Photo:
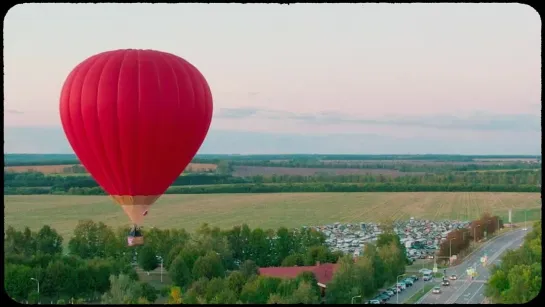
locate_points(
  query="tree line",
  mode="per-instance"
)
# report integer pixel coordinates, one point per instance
(517, 279)
(208, 266)
(58, 159)
(459, 240)
(29, 183)
(436, 167)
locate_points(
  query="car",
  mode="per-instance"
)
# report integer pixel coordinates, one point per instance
(414, 277)
(426, 277)
(395, 289)
(374, 302)
(445, 282)
(408, 282)
(389, 292)
(384, 293)
(430, 256)
(436, 290)
(453, 277)
(401, 285)
(383, 298)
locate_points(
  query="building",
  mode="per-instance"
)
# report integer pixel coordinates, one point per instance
(322, 272)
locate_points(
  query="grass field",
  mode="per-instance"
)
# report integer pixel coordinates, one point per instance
(267, 210)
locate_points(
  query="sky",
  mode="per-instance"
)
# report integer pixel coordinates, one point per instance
(303, 78)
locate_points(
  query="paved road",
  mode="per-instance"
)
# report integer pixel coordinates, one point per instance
(466, 291)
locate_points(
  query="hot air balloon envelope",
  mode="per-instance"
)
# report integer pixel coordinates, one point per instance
(135, 119)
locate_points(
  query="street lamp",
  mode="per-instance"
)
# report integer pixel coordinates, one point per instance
(475, 233)
(357, 296)
(38, 282)
(397, 292)
(450, 249)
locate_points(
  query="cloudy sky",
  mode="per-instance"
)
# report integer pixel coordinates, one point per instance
(304, 78)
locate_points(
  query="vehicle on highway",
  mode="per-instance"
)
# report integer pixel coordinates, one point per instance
(445, 282)
(414, 277)
(401, 285)
(427, 277)
(453, 277)
(408, 282)
(436, 290)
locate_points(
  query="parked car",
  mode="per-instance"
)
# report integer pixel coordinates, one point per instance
(436, 290)
(383, 298)
(445, 282)
(430, 256)
(395, 289)
(401, 285)
(425, 271)
(374, 302)
(389, 292)
(408, 282)
(453, 277)
(414, 277)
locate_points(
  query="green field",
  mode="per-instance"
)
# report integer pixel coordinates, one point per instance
(267, 210)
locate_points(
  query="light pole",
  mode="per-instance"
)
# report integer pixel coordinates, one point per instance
(357, 296)
(38, 282)
(525, 220)
(397, 292)
(475, 233)
(450, 249)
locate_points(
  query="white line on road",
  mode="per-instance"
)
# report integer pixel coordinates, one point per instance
(469, 301)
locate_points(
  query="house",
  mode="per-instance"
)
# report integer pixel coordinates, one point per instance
(322, 272)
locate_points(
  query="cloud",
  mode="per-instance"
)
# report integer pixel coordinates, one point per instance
(11, 111)
(477, 121)
(234, 113)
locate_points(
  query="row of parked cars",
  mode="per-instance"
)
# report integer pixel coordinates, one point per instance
(386, 294)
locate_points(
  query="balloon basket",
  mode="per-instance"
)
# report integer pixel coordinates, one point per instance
(135, 241)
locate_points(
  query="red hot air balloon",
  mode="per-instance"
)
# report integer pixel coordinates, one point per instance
(135, 119)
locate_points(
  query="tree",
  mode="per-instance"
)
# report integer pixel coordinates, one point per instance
(123, 290)
(48, 241)
(209, 266)
(175, 296)
(249, 268)
(147, 260)
(343, 285)
(293, 260)
(235, 282)
(148, 292)
(179, 272)
(304, 294)
(214, 288)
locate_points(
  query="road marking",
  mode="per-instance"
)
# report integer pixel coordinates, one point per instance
(469, 301)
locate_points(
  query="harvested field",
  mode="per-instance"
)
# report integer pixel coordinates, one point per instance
(419, 162)
(244, 171)
(267, 210)
(58, 169)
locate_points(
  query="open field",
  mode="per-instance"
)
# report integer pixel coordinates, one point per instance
(430, 162)
(243, 171)
(267, 210)
(59, 169)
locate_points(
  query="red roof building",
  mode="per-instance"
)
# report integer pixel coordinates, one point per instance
(322, 272)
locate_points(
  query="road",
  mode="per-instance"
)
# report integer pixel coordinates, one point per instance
(466, 291)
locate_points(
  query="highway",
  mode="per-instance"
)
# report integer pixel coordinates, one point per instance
(467, 291)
